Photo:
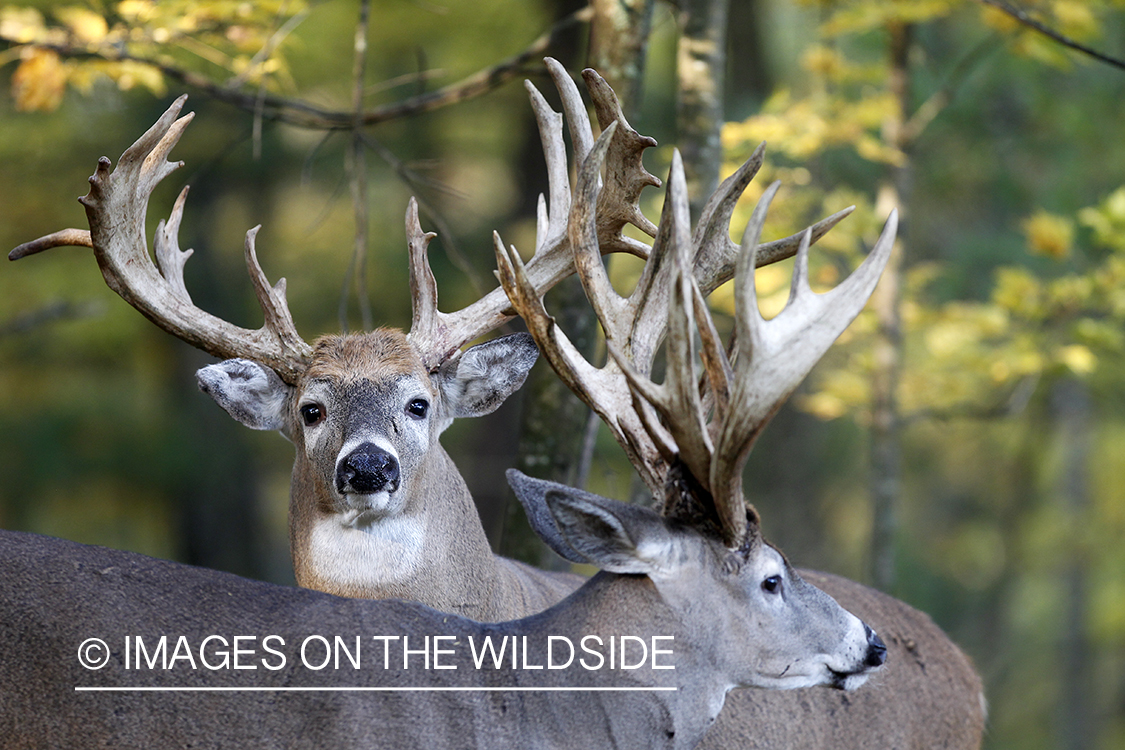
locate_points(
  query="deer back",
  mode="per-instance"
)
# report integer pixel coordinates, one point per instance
(75, 676)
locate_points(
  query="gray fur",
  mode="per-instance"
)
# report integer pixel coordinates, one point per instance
(54, 595)
(619, 538)
(482, 377)
(532, 493)
(250, 392)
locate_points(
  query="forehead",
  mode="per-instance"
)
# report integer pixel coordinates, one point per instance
(382, 355)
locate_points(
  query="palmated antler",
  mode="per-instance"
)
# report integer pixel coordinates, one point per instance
(436, 335)
(713, 440)
(710, 432)
(116, 207)
(636, 324)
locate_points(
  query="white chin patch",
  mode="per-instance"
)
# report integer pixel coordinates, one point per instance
(854, 681)
(790, 681)
(366, 509)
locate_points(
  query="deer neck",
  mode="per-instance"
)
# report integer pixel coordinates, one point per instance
(434, 551)
(609, 607)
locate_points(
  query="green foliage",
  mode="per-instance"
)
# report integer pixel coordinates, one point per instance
(1011, 292)
(1013, 287)
(127, 42)
(105, 430)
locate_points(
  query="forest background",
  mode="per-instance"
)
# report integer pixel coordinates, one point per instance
(963, 445)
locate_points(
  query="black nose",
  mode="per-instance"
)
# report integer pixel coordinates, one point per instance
(367, 469)
(876, 649)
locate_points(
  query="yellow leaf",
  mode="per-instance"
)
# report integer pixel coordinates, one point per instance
(823, 406)
(822, 61)
(39, 82)
(21, 25)
(128, 74)
(86, 25)
(998, 19)
(1079, 359)
(1049, 234)
(1019, 291)
(1075, 18)
(136, 11)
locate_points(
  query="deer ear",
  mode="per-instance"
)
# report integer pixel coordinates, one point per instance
(250, 392)
(532, 494)
(587, 528)
(477, 382)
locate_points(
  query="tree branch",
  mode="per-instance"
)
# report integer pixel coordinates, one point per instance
(303, 115)
(1050, 33)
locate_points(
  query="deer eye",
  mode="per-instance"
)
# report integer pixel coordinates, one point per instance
(418, 408)
(772, 585)
(312, 414)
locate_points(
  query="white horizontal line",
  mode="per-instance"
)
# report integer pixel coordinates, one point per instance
(80, 689)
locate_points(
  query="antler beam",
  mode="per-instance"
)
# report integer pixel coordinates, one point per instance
(436, 334)
(116, 207)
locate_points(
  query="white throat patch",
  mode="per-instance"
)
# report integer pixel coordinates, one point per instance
(387, 551)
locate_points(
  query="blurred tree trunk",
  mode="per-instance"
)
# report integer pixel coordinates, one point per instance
(886, 461)
(700, 68)
(618, 43)
(1071, 414)
(220, 519)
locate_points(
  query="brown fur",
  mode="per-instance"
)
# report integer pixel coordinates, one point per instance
(376, 355)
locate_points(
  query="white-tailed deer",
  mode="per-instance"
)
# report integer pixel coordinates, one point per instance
(377, 508)
(100, 648)
(357, 529)
(690, 437)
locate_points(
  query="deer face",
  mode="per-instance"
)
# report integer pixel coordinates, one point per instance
(762, 624)
(794, 635)
(364, 416)
(366, 412)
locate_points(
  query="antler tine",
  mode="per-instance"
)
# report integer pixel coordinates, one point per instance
(438, 335)
(677, 426)
(166, 246)
(714, 259)
(716, 255)
(776, 355)
(554, 152)
(610, 308)
(602, 389)
(116, 207)
(683, 428)
(625, 176)
(581, 134)
(682, 407)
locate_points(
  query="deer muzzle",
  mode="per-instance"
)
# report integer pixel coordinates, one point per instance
(876, 649)
(366, 470)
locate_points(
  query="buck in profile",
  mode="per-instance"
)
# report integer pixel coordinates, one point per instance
(377, 508)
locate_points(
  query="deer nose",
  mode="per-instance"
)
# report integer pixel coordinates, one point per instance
(876, 649)
(367, 469)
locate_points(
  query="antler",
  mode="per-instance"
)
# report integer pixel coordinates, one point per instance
(772, 358)
(636, 325)
(710, 432)
(116, 207)
(436, 335)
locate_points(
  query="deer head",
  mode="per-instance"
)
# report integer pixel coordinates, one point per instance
(364, 411)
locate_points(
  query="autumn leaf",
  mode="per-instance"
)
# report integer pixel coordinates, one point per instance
(86, 25)
(39, 82)
(1049, 234)
(21, 25)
